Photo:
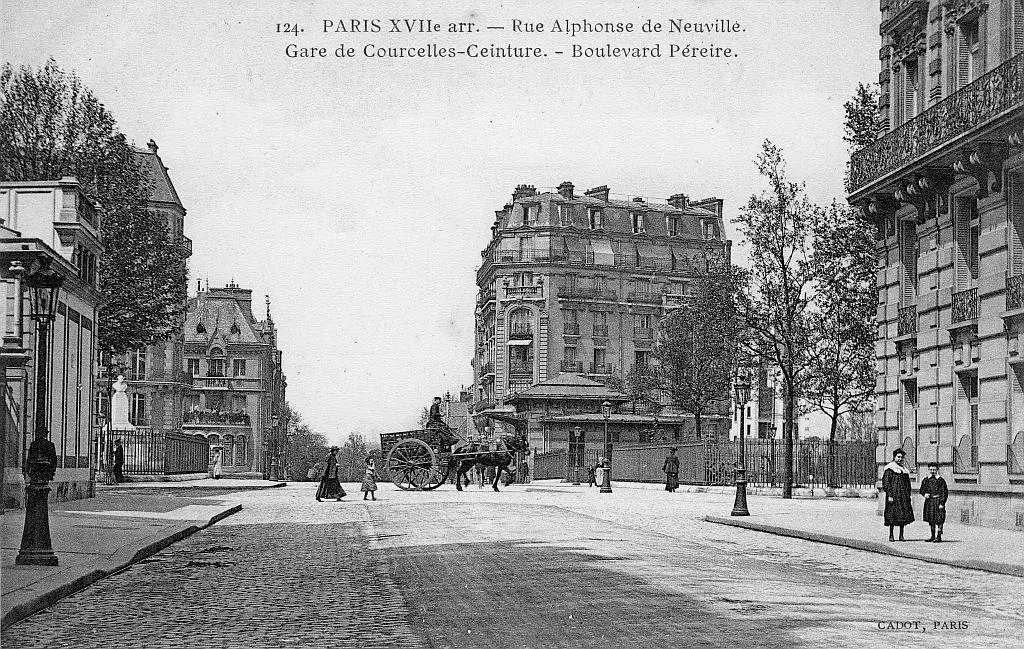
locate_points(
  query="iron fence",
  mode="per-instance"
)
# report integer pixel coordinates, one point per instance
(148, 452)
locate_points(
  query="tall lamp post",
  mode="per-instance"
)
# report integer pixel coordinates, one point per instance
(36, 547)
(741, 384)
(275, 448)
(606, 483)
(575, 457)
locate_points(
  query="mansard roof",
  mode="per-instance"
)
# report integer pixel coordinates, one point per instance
(222, 318)
(569, 385)
(161, 188)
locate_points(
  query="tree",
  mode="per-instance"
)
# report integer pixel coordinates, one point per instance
(857, 426)
(697, 348)
(306, 447)
(52, 126)
(778, 224)
(424, 417)
(862, 124)
(841, 374)
(641, 382)
(352, 458)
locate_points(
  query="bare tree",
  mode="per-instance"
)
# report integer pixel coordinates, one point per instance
(779, 224)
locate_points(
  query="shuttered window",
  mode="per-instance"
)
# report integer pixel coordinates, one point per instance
(1015, 220)
(912, 85)
(1018, 27)
(965, 244)
(970, 53)
(908, 261)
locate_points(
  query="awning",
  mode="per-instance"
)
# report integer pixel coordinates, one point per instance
(645, 254)
(542, 247)
(603, 254)
(520, 342)
(680, 261)
(574, 244)
(662, 257)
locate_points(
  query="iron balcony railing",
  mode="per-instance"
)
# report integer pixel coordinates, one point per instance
(186, 246)
(572, 366)
(487, 368)
(988, 97)
(646, 297)
(643, 333)
(600, 331)
(965, 305)
(485, 404)
(1014, 292)
(485, 297)
(571, 328)
(520, 369)
(521, 332)
(907, 321)
(587, 293)
(523, 291)
(216, 418)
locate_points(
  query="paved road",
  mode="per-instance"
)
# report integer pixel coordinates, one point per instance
(531, 567)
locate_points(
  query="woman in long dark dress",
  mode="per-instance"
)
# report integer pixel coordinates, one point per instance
(933, 488)
(330, 485)
(671, 469)
(896, 485)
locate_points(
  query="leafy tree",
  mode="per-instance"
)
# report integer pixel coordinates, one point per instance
(697, 349)
(424, 417)
(862, 123)
(779, 226)
(857, 426)
(641, 383)
(842, 360)
(52, 126)
(306, 446)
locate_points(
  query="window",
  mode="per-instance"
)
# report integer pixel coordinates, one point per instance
(240, 402)
(641, 358)
(600, 358)
(637, 219)
(710, 229)
(571, 322)
(965, 247)
(137, 365)
(601, 284)
(524, 278)
(909, 252)
(643, 288)
(572, 284)
(1016, 32)
(193, 366)
(672, 225)
(137, 412)
(596, 219)
(970, 54)
(1015, 217)
(238, 367)
(217, 367)
(564, 215)
(642, 320)
(192, 402)
(530, 214)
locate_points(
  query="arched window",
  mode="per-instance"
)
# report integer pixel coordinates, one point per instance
(241, 451)
(520, 323)
(218, 364)
(228, 454)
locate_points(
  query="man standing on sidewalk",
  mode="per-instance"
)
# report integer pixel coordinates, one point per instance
(118, 462)
(933, 488)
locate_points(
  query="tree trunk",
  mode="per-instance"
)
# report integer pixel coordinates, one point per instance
(696, 426)
(832, 480)
(787, 435)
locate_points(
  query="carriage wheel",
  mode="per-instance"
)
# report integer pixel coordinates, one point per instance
(413, 466)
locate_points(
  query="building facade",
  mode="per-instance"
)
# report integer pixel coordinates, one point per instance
(237, 383)
(157, 383)
(944, 183)
(54, 223)
(577, 283)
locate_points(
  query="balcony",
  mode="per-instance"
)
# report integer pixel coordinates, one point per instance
(525, 255)
(907, 323)
(1015, 292)
(218, 382)
(523, 292)
(643, 333)
(225, 383)
(186, 246)
(965, 306)
(572, 366)
(487, 368)
(520, 369)
(485, 297)
(645, 297)
(994, 95)
(571, 328)
(521, 332)
(215, 418)
(676, 300)
(603, 369)
(587, 293)
(600, 331)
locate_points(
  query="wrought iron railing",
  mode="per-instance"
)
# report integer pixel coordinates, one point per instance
(600, 331)
(965, 305)
(520, 369)
(485, 404)
(1014, 292)
(485, 297)
(487, 368)
(980, 101)
(587, 293)
(571, 328)
(602, 368)
(521, 332)
(646, 297)
(148, 452)
(216, 417)
(572, 366)
(643, 333)
(907, 321)
(523, 291)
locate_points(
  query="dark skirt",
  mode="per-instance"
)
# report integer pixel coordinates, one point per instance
(898, 511)
(330, 488)
(933, 513)
(671, 481)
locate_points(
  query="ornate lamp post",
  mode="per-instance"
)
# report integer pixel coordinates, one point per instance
(275, 447)
(36, 547)
(741, 385)
(575, 457)
(606, 483)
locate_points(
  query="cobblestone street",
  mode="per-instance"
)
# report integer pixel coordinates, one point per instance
(530, 567)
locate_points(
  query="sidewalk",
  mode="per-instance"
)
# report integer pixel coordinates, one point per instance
(96, 537)
(206, 485)
(856, 524)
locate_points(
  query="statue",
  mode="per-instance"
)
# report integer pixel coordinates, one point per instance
(119, 406)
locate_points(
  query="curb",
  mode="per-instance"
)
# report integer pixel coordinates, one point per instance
(121, 560)
(1011, 569)
(167, 487)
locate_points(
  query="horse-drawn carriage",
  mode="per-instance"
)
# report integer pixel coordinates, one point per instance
(423, 459)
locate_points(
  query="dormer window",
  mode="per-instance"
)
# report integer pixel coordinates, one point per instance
(638, 221)
(596, 219)
(200, 329)
(672, 226)
(530, 214)
(564, 215)
(234, 328)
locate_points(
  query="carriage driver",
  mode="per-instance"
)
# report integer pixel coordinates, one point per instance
(434, 421)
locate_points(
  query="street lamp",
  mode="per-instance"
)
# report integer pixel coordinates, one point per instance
(275, 444)
(575, 457)
(606, 483)
(741, 385)
(36, 547)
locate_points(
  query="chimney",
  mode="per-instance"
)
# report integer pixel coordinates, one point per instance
(566, 190)
(600, 193)
(679, 201)
(523, 191)
(711, 204)
(152, 145)
(638, 199)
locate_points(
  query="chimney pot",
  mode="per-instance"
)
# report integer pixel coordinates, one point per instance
(566, 190)
(523, 191)
(601, 193)
(679, 201)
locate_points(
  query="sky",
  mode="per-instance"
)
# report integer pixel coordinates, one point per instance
(357, 192)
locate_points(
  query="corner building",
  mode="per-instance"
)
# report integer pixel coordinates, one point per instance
(944, 184)
(578, 283)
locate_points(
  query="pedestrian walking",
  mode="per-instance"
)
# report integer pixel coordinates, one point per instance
(896, 485)
(330, 484)
(933, 488)
(591, 475)
(671, 469)
(218, 463)
(369, 479)
(118, 462)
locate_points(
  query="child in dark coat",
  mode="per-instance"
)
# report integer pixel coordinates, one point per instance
(933, 488)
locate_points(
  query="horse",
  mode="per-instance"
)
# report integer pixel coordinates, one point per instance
(500, 459)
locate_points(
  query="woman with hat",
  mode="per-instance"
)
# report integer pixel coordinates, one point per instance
(330, 485)
(671, 469)
(896, 485)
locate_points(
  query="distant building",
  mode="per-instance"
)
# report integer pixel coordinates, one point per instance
(238, 385)
(54, 221)
(577, 284)
(944, 184)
